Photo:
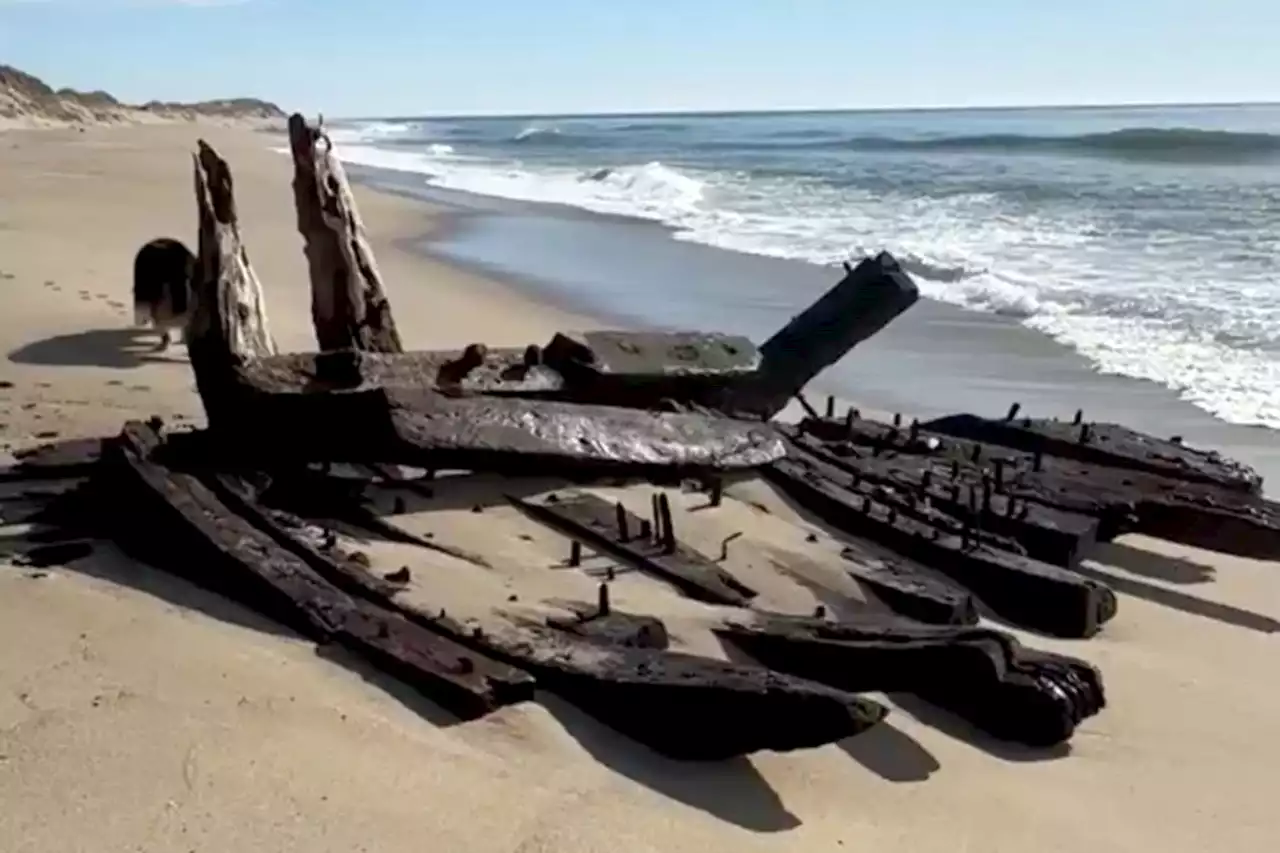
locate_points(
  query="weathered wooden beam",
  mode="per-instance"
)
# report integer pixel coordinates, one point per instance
(349, 304)
(617, 532)
(907, 587)
(681, 705)
(1204, 515)
(868, 298)
(1106, 444)
(434, 430)
(173, 520)
(1031, 593)
(1052, 535)
(615, 628)
(986, 677)
(228, 325)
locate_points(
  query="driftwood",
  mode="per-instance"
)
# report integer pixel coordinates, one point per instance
(1231, 521)
(172, 519)
(1026, 591)
(349, 305)
(983, 676)
(1104, 444)
(228, 323)
(1049, 534)
(650, 546)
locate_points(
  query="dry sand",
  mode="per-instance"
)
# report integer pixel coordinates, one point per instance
(138, 713)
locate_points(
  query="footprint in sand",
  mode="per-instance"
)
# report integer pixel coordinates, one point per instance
(7, 275)
(114, 382)
(139, 387)
(5, 383)
(44, 384)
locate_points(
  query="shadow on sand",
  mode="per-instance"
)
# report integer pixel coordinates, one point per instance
(121, 348)
(108, 563)
(733, 790)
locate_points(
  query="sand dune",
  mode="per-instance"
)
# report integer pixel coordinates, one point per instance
(137, 712)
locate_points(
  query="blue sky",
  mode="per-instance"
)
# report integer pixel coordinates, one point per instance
(407, 57)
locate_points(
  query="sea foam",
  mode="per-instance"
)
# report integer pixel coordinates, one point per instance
(1145, 305)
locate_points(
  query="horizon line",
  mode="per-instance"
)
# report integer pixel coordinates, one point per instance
(811, 110)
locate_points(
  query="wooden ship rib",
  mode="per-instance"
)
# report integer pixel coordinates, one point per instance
(598, 440)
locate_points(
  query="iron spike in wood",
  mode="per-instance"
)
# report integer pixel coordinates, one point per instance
(831, 406)
(1106, 444)
(1013, 411)
(590, 518)
(986, 677)
(1055, 536)
(624, 533)
(1079, 416)
(575, 553)
(602, 602)
(213, 546)
(869, 297)
(1122, 500)
(1026, 591)
(676, 704)
(724, 545)
(656, 511)
(615, 628)
(485, 433)
(717, 491)
(668, 526)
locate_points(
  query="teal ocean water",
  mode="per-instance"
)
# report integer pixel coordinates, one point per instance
(1147, 239)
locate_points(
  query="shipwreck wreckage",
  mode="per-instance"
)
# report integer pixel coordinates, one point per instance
(934, 523)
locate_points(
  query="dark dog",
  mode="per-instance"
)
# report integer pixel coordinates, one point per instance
(163, 271)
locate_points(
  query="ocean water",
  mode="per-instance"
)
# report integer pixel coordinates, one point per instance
(1147, 239)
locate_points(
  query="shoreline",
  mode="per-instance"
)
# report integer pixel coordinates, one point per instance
(140, 712)
(935, 359)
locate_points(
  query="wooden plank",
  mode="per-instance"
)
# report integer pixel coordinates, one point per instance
(1107, 444)
(433, 430)
(907, 587)
(983, 676)
(1047, 533)
(681, 705)
(1198, 514)
(173, 520)
(1031, 593)
(615, 531)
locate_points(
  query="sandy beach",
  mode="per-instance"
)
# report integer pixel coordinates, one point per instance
(139, 713)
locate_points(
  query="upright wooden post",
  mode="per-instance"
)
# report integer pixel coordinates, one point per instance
(229, 316)
(349, 305)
